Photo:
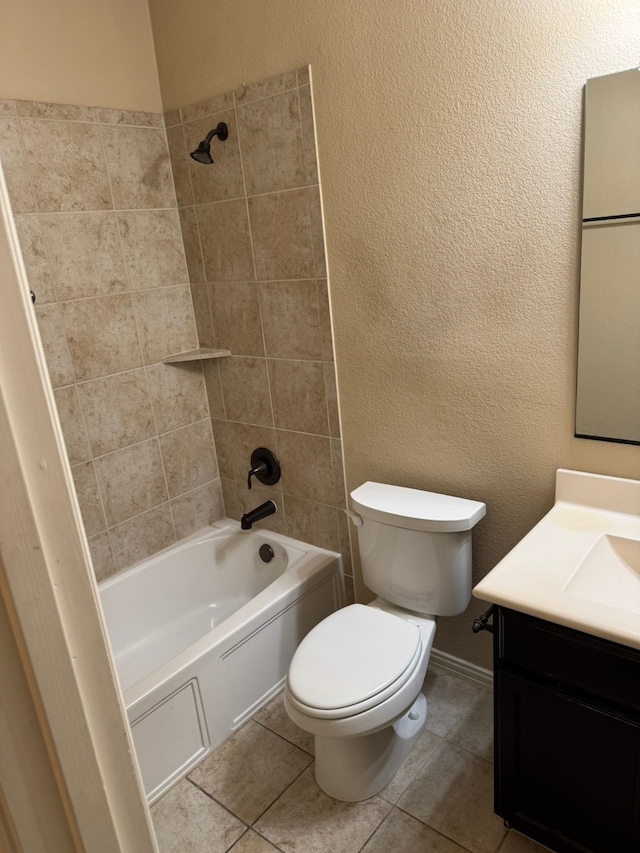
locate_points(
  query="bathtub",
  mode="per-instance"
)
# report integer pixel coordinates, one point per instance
(202, 635)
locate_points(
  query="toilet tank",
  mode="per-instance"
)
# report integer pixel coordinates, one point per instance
(415, 546)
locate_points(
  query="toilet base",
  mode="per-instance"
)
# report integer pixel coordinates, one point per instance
(356, 768)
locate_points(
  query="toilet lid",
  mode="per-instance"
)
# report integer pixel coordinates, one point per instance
(351, 658)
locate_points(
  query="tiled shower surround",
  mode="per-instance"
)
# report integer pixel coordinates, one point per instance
(252, 228)
(116, 280)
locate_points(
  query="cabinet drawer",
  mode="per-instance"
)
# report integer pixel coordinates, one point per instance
(570, 657)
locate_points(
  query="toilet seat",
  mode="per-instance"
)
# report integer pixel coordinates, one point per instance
(352, 661)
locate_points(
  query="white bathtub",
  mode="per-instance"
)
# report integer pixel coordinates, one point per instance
(202, 636)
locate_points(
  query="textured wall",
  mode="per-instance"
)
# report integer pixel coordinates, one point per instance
(92, 52)
(449, 146)
(252, 227)
(95, 210)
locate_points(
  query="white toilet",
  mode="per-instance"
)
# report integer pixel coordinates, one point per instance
(355, 680)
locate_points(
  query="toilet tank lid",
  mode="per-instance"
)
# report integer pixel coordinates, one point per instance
(415, 509)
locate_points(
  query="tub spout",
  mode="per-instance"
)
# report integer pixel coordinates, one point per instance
(262, 511)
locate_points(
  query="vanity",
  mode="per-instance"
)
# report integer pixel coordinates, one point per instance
(567, 670)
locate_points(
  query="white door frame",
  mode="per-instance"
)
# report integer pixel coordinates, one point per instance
(50, 605)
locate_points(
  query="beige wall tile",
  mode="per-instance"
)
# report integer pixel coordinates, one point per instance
(245, 387)
(179, 166)
(317, 233)
(326, 331)
(312, 522)
(178, 394)
(271, 138)
(298, 395)
(211, 370)
(67, 165)
(165, 322)
(243, 440)
(117, 411)
(171, 118)
(223, 179)
(189, 458)
(153, 248)
(331, 391)
(202, 313)
(232, 504)
(136, 118)
(290, 318)
(214, 104)
(15, 167)
(139, 167)
(226, 244)
(72, 422)
(281, 231)
(236, 315)
(338, 473)
(84, 477)
(102, 335)
(7, 107)
(101, 556)
(222, 441)
(36, 262)
(308, 135)
(131, 481)
(85, 254)
(59, 112)
(306, 466)
(194, 510)
(191, 240)
(304, 75)
(279, 83)
(54, 344)
(139, 537)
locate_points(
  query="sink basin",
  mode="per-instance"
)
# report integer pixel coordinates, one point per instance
(609, 574)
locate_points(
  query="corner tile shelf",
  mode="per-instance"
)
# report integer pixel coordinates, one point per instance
(195, 355)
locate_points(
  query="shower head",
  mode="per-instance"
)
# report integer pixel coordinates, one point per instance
(202, 154)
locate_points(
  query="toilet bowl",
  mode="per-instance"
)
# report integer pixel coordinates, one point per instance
(355, 680)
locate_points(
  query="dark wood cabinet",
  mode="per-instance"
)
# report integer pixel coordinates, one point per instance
(567, 736)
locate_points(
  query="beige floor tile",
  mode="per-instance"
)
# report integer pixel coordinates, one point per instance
(423, 748)
(274, 717)
(188, 821)
(250, 770)
(251, 842)
(516, 843)
(453, 793)
(404, 834)
(460, 712)
(305, 820)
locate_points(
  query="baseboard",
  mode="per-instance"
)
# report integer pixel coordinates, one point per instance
(478, 675)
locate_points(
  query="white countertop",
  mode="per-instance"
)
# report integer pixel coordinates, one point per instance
(534, 576)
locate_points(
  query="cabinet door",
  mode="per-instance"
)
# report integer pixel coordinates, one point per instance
(567, 772)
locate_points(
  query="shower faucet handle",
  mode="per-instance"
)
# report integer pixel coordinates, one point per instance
(264, 467)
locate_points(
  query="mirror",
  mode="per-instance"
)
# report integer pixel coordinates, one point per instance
(608, 387)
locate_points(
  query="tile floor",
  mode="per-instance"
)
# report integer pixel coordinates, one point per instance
(257, 792)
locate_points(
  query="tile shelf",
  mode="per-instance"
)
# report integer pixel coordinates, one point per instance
(195, 355)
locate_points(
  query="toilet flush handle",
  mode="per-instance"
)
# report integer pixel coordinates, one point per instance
(355, 518)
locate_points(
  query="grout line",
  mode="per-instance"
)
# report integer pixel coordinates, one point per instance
(211, 797)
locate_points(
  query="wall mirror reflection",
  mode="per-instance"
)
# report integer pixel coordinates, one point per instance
(608, 385)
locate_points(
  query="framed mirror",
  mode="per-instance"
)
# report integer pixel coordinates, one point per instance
(608, 384)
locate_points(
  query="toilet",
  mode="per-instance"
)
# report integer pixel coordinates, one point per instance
(355, 681)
